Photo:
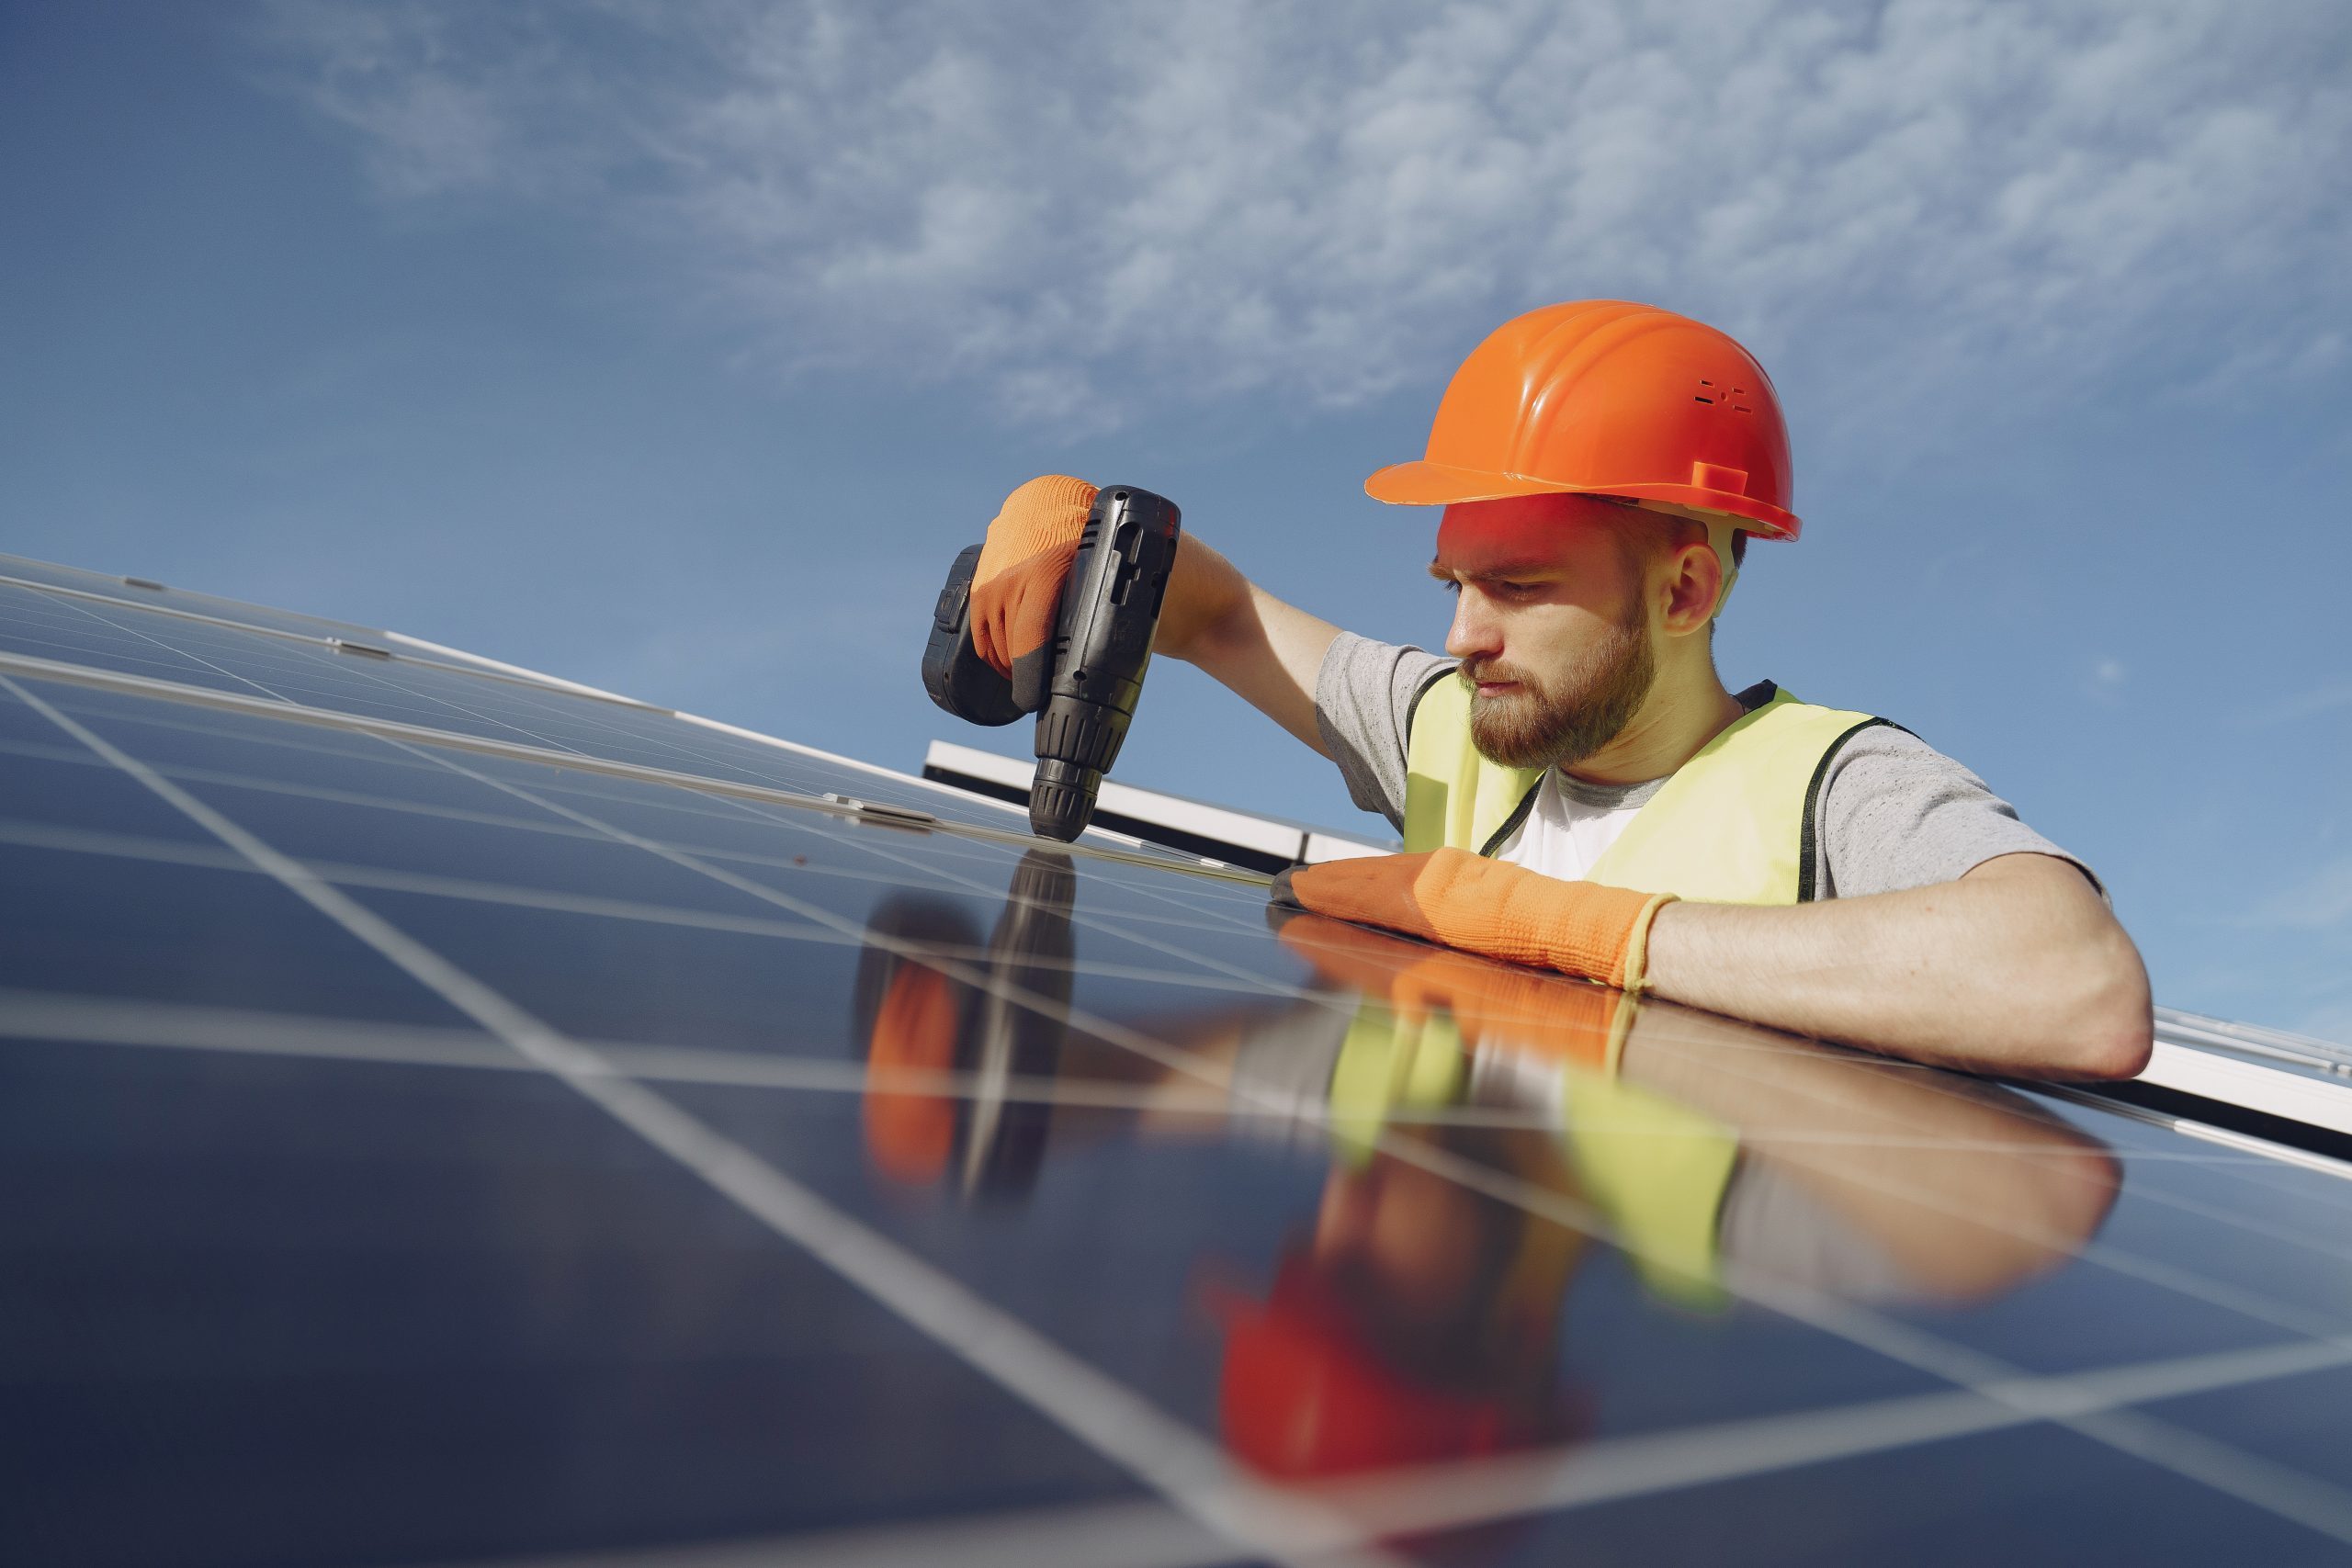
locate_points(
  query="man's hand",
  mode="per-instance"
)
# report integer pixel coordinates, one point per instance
(1212, 617)
(1017, 586)
(1505, 911)
(1511, 1008)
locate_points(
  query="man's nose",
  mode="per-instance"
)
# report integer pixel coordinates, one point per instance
(1473, 633)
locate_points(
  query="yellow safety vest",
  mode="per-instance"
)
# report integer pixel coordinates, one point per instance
(1732, 826)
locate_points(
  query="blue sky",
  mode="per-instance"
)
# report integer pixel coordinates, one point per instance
(677, 348)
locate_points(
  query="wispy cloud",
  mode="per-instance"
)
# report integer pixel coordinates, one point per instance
(2321, 901)
(2297, 705)
(1087, 212)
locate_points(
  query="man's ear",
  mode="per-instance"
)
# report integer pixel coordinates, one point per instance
(1694, 590)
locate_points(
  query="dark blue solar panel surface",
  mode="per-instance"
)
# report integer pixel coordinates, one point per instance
(425, 1151)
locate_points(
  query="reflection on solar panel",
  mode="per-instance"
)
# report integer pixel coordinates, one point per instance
(450, 1116)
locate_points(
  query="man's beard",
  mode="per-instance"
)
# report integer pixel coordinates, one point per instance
(1560, 725)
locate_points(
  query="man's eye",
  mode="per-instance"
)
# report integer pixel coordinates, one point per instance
(1452, 585)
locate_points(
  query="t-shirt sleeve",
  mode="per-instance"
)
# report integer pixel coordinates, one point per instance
(1363, 698)
(1895, 813)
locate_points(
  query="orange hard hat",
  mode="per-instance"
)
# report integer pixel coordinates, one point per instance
(1604, 397)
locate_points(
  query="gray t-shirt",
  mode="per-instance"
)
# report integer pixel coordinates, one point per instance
(1894, 811)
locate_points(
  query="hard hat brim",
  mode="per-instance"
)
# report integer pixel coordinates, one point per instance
(1424, 483)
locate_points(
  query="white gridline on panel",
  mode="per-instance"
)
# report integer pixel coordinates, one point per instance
(40, 1017)
(409, 882)
(2123, 1262)
(409, 649)
(1115, 847)
(1235, 977)
(2314, 1503)
(2282, 1491)
(538, 690)
(344, 669)
(1095, 1410)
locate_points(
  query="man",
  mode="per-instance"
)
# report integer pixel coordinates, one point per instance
(1576, 786)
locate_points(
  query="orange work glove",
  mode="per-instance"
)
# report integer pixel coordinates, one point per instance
(1514, 1007)
(1017, 586)
(1486, 906)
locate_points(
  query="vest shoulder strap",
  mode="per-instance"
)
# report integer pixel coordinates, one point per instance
(1735, 823)
(1453, 797)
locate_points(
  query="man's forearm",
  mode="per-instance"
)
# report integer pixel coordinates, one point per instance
(2017, 966)
(1264, 650)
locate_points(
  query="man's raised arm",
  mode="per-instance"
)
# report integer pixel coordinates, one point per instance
(1268, 651)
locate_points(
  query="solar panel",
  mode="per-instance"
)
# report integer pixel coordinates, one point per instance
(450, 1117)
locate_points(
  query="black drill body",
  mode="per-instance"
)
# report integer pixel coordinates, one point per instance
(1101, 645)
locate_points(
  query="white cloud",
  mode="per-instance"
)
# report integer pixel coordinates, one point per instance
(1091, 212)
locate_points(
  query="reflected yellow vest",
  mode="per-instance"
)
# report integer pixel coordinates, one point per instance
(1654, 1169)
(1732, 826)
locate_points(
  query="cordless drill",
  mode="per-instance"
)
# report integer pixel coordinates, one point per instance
(1102, 634)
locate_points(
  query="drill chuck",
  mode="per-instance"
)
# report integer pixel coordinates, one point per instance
(1062, 798)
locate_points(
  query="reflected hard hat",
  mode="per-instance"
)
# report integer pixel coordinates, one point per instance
(1600, 397)
(1304, 1394)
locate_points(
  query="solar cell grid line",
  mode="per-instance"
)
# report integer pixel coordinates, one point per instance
(365, 877)
(303, 670)
(2313, 1504)
(184, 607)
(346, 670)
(51, 1016)
(49, 578)
(1418, 1500)
(49, 636)
(2316, 1505)
(750, 755)
(1206, 960)
(360, 876)
(2177, 1373)
(1192, 1473)
(229, 657)
(2198, 1371)
(181, 650)
(134, 686)
(355, 875)
(44, 1016)
(934, 797)
(2178, 1281)
(2155, 1271)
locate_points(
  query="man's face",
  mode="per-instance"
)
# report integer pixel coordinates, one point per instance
(1550, 623)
